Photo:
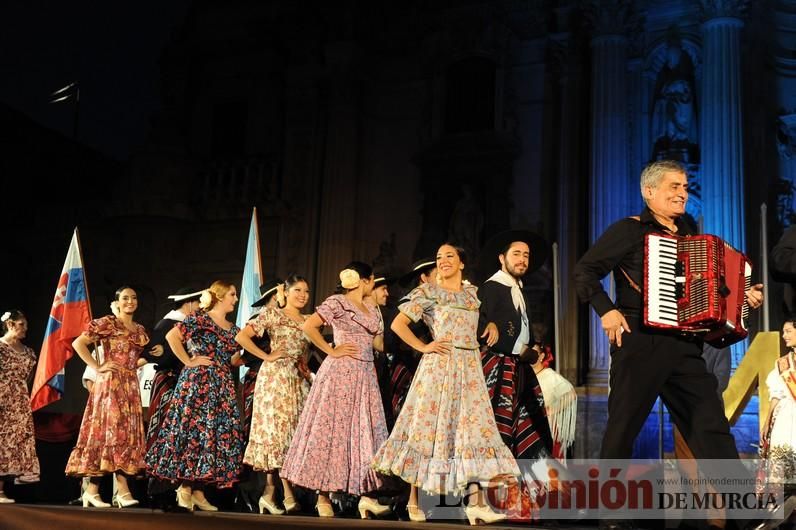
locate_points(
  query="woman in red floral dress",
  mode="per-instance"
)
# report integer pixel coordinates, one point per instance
(17, 445)
(111, 438)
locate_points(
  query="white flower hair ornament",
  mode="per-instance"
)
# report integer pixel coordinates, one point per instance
(206, 299)
(349, 278)
(5, 316)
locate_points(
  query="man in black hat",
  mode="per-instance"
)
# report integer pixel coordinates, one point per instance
(167, 369)
(383, 358)
(405, 360)
(513, 387)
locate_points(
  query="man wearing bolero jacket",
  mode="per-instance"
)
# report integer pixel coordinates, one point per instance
(514, 390)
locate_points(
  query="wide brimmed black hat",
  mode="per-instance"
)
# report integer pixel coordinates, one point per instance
(419, 267)
(380, 279)
(267, 290)
(495, 245)
(185, 294)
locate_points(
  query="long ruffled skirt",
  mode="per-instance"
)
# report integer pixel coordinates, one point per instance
(445, 436)
(340, 428)
(112, 433)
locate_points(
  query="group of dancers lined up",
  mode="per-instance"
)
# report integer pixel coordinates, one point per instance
(460, 416)
(478, 405)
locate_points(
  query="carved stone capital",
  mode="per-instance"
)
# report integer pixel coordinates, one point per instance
(723, 8)
(611, 18)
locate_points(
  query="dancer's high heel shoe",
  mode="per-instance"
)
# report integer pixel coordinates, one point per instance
(5, 500)
(483, 514)
(202, 504)
(123, 501)
(324, 510)
(94, 500)
(415, 513)
(185, 499)
(270, 505)
(367, 505)
(291, 505)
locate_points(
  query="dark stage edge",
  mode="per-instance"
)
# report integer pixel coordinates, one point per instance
(48, 517)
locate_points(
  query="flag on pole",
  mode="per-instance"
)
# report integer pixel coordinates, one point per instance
(69, 315)
(252, 274)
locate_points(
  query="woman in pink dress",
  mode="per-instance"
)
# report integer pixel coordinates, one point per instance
(111, 438)
(17, 445)
(342, 424)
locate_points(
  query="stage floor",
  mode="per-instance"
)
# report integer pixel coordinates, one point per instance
(49, 517)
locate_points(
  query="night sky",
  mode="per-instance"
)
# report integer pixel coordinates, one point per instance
(111, 49)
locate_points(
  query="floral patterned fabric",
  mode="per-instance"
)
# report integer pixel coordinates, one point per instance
(112, 433)
(342, 423)
(782, 427)
(17, 445)
(279, 393)
(201, 436)
(446, 429)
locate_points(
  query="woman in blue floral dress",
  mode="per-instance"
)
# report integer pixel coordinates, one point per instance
(200, 442)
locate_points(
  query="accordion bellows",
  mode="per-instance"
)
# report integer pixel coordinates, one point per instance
(696, 284)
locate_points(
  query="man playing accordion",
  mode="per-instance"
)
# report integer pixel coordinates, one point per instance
(648, 362)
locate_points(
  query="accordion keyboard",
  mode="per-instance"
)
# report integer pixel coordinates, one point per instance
(662, 281)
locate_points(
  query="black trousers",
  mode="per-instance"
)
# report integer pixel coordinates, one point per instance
(652, 363)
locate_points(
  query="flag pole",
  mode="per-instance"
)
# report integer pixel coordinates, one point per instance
(259, 263)
(85, 273)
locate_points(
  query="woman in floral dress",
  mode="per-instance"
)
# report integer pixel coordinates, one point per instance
(17, 445)
(200, 442)
(342, 423)
(446, 428)
(280, 390)
(111, 438)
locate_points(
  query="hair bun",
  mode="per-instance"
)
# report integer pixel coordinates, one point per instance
(349, 278)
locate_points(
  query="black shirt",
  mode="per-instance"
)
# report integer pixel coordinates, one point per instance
(621, 247)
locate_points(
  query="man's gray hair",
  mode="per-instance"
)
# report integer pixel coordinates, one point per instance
(652, 174)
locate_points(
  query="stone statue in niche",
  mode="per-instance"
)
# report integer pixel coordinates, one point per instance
(674, 112)
(467, 222)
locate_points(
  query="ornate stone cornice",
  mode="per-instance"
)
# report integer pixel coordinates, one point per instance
(723, 8)
(606, 18)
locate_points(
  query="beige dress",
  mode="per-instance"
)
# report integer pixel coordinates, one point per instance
(279, 393)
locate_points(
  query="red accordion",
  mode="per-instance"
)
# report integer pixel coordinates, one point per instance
(696, 284)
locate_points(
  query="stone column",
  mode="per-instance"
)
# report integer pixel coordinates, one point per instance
(721, 139)
(609, 183)
(571, 197)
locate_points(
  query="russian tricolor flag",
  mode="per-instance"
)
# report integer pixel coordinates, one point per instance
(69, 316)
